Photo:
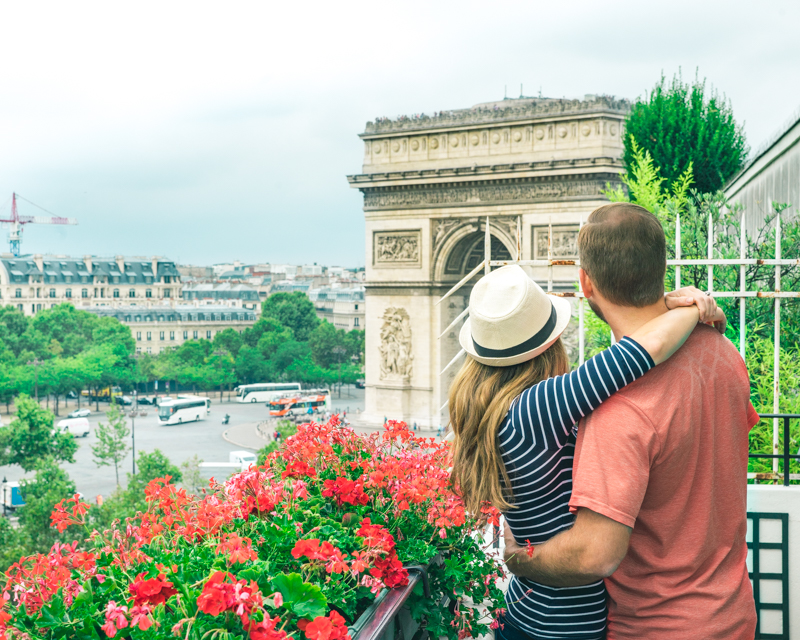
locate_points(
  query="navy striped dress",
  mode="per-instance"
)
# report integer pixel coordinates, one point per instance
(537, 441)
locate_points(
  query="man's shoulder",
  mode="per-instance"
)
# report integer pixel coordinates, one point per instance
(706, 356)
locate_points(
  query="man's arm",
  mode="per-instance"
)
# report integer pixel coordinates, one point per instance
(591, 550)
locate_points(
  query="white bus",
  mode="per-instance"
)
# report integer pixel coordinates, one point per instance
(265, 392)
(206, 398)
(182, 410)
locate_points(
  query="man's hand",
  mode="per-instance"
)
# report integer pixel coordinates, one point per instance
(592, 549)
(512, 551)
(706, 305)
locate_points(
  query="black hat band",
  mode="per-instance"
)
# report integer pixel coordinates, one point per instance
(536, 340)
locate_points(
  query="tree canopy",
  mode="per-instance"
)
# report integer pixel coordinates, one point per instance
(686, 125)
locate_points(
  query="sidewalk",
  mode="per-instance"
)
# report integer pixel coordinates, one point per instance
(245, 435)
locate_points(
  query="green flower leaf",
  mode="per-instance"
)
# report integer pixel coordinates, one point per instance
(302, 599)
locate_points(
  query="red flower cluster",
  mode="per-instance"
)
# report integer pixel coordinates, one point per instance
(330, 627)
(297, 469)
(345, 490)
(380, 543)
(312, 549)
(222, 592)
(151, 591)
(236, 549)
(61, 518)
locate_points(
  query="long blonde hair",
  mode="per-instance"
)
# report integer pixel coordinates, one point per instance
(480, 398)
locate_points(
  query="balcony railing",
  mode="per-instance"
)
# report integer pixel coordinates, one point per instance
(783, 471)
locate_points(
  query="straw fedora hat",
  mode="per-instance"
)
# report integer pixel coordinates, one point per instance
(511, 319)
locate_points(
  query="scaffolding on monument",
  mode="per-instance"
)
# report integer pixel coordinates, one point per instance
(710, 262)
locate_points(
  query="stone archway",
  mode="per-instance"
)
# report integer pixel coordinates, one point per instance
(429, 185)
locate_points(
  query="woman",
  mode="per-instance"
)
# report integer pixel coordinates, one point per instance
(514, 411)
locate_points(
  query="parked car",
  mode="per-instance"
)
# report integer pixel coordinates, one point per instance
(124, 400)
(146, 400)
(79, 413)
(244, 458)
(359, 384)
(78, 427)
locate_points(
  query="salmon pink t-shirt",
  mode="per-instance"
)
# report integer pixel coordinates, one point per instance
(667, 456)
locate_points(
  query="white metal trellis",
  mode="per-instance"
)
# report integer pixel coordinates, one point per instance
(710, 262)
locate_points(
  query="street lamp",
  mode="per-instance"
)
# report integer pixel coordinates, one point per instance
(134, 412)
(220, 353)
(339, 351)
(35, 363)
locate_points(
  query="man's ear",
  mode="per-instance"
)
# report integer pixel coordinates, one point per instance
(586, 283)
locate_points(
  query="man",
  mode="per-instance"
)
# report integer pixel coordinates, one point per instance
(660, 474)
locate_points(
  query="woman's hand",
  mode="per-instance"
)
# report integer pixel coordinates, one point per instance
(706, 306)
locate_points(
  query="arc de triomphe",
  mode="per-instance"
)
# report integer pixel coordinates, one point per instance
(429, 183)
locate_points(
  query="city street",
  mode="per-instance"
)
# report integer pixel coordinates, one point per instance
(206, 439)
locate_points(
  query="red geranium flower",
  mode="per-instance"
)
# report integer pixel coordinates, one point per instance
(153, 591)
(332, 627)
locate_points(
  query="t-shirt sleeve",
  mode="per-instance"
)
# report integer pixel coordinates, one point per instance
(614, 452)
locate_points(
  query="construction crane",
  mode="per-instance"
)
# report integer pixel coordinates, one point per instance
(17, 221)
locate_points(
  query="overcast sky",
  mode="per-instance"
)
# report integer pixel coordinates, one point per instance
(208, 132)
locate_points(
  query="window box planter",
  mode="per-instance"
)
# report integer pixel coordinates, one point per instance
(337, 536)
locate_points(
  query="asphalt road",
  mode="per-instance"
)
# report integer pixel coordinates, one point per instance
(177, 442)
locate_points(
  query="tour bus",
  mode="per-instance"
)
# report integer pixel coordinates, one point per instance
(265, 392)
(182, 410)
(315, 400)
(206, 398)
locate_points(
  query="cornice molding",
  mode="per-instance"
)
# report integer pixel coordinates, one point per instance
(599, 163)
(483, 193)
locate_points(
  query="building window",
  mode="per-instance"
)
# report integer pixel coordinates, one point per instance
(131, 293)
(19, 306)
(185, 335)
(208, 335)
(38, 307)
(116, 293)
(161, 336)
(167, 293)
(194, 335)
(68, 293)
(84, 293)
(148, 293)
(356, 307)
(102, 292)
(171, 335)
(355, 321)
(38, 292)
(18, 293)
(131, 279)
(115, 279)
(52, 293)
(149, 350)
(149, 336)
(138, 335)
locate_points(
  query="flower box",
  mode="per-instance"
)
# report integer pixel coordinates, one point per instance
(327, 540)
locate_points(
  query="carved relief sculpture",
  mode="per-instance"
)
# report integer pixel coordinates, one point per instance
(395, 349)
(442, 227)
(397, 248)
(565, 243)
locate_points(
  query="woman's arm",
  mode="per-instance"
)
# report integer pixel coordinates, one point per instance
(549, 409)
(664, 335)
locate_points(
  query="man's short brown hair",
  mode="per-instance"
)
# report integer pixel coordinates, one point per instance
(623, 250)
